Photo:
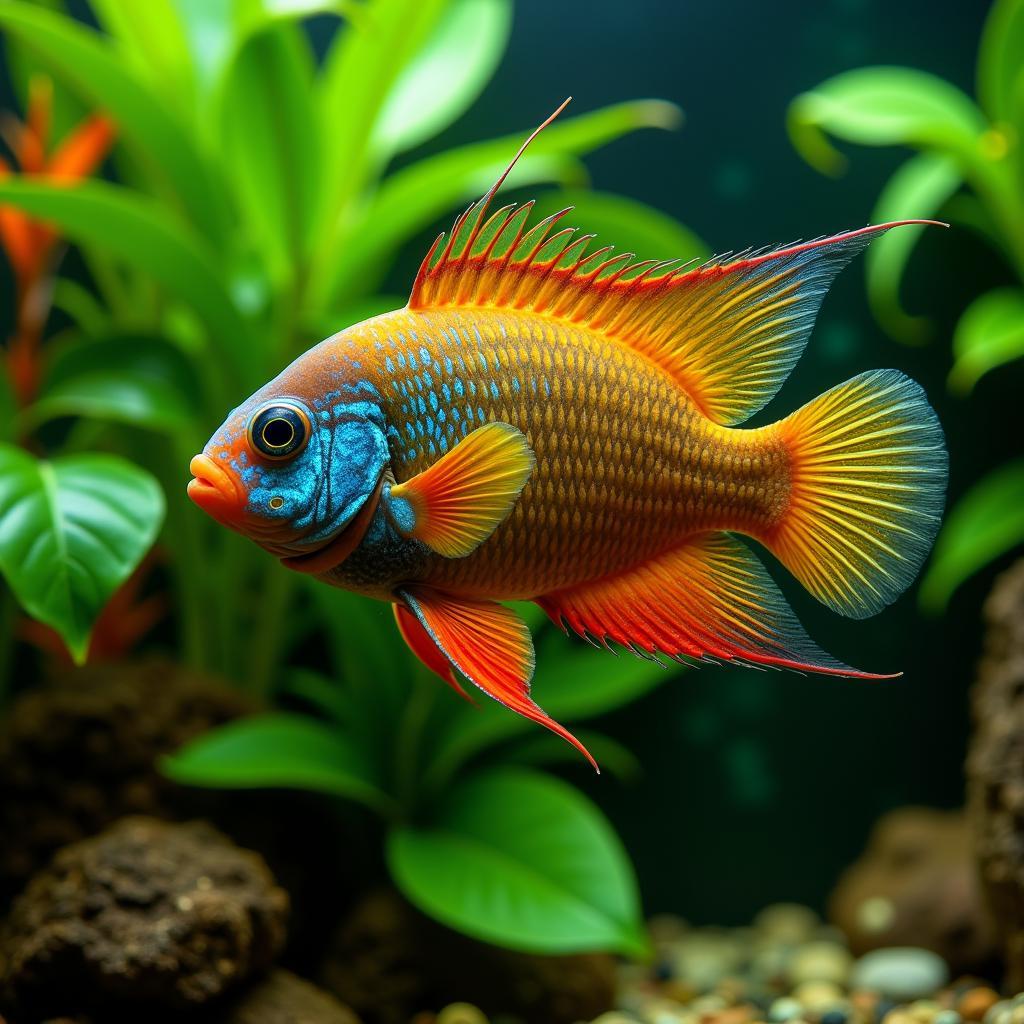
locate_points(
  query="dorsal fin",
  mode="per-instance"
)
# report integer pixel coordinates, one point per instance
(728, 331)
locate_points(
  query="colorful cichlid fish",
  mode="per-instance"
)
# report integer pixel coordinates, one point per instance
(544, 423)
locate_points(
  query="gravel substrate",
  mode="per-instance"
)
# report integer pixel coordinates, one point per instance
(785, 968)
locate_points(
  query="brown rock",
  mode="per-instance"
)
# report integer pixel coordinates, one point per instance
(389, 961)
(283, 998)
(976, 1002)
(995, 766)
(916, 885)
(80, 753)
(146, 911)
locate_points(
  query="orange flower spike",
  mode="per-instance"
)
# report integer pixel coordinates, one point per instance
(16, 235)
(82, 151)
(35, 135)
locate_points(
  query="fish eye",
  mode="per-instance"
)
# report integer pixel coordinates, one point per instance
(279, 431)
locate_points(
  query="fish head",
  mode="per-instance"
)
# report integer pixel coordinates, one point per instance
(297, 468)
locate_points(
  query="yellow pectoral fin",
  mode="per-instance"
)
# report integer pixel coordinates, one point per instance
(456, 504)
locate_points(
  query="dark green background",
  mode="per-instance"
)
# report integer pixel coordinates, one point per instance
(759, 787)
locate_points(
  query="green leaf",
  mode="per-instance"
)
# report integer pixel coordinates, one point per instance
(278, 750)
(74, 529)
(145, 381)
(629, 225)
(359, 72)
(573, 681)
(884, 106)
(987, 522)
(989, 334)
(143, 233)
(1000, 67)
(321, 693)
(152, 38)
(268, 130)
(521, 860)
(446, 76)
(918, 189)
(92, 66)
(412, 199)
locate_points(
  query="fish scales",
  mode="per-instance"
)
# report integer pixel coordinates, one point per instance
(627, 465)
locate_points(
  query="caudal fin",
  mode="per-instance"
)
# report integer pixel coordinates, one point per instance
(868, 471)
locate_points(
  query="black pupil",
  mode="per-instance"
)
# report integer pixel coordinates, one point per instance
(278, 433)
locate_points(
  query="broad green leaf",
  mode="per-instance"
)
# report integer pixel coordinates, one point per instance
(153, 40)
(71, 532)
(629, 225)
(989, 334)
(1001, 65)
(543, 747)
(359, 72)
(143, 233)
(521, 860)
(987, 522)
(412, 199)
(144, 381)
(918, 189)
(91, 65)
(573, 681)
(268, 131)
(278, 750)
(884, 106)
(446, 76)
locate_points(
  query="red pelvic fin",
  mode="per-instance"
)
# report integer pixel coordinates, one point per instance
(490, 645)
(708, 599)
(425, 649)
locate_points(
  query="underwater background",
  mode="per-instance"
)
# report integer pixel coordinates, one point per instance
(758, 787)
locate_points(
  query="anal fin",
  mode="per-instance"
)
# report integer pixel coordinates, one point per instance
(708, 599)
(490, 645)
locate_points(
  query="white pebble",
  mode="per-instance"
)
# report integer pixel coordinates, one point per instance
(900, 973)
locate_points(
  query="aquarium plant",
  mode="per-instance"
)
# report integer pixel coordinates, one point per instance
(968, 167)
(267, 167)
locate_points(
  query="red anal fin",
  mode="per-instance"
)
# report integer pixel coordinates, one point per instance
(425, 649)
(710, 598)
(491, 646)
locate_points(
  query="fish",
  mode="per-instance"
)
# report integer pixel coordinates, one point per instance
(550, 421)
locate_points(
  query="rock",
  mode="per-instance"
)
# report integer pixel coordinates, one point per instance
(820, 961)
(976, 1002)
(283, 998)
(916, 884)
(818, 996)
(81, 752)
(995, 766)
(900, 973)
(146, 911)
(388, 961)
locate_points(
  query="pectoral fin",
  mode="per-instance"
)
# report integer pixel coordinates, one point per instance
(490, 645)
(456, 504)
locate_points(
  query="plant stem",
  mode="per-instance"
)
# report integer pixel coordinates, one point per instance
(265, 643)
(409, 737)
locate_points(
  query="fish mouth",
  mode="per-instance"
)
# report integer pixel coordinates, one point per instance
(216, 491)
(339, 547)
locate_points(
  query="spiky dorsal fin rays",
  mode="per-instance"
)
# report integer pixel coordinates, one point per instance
(729, 331)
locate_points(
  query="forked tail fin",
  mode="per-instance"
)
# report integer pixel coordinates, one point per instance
(868, 478)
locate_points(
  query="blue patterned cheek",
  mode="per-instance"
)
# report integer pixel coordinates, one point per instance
(318, 492)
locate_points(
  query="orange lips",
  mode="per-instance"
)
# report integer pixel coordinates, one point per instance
(215, 491)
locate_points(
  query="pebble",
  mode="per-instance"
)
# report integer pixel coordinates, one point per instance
(785, 1009)
(787, 922)
(998, 1013)
(461, 1013)
(948, 1017)
(820, 961)
(901, 973)
(818, 996)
